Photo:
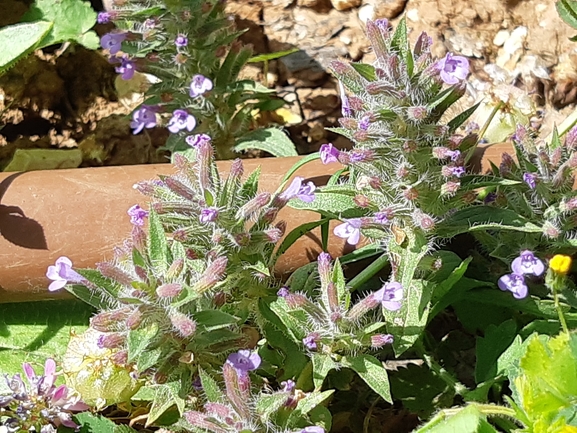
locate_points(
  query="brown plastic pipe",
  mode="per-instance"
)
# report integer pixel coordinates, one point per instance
(81, 214)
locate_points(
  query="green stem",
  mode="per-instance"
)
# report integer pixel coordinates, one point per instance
(559, 309)
(486, 409)
(484, 129)
(369, 272)
(295, 167)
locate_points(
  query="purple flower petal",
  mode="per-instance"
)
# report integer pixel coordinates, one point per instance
(200, 85)
(527, 263)
(329, 153)
(390, 296)
(515, 284)
(453, 68)
(349, 230)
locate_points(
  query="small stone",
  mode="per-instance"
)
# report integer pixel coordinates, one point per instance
(413, 15)
(501, 37)
(366, 13)
(344, 5)
(389, 8)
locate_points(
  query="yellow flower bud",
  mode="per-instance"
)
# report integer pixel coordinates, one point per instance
(560, 264)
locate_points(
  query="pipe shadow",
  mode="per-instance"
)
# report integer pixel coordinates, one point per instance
(15, 226)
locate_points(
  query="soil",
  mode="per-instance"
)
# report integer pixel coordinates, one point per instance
(69, 100)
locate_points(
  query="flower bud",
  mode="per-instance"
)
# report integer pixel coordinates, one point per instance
(111, 340)
(204, 154)
(135, 319)
(348, 123)
(417, 114)
(411, 194)
(380, 340)
(108, 321)
(212, 275)
(182, 324)
(171, 290)
(450, 187)
(175, 269)
(114, 273)
(551, 230)
(179, 188)
(422, 220)
(251, 209)
(362, 307)
(362, 201)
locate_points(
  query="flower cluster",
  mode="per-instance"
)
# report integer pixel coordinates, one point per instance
(39, 405)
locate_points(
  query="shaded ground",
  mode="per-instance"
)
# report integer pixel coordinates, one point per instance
(69, 100)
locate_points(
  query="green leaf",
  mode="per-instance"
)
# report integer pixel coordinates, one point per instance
(90, 423)
(307, 404)
(490, 347)
(332, 201)
(458, 120)
(293, 236)
(139, 339)
(365, 70)
(166, 395)
(268, 404)
(157, 244)
(209, 386)
(484, 218)
(567, 10)
(271, 140)
(123, 428)
(231, 66)
(466, 420)
(372, 372)
(250, 186)
(109, 287)
(72, 20)
(19, 40)
(214, 319)
(272, 56)
(35, 331)
(400, 43)
(343, 294)
(322, 364)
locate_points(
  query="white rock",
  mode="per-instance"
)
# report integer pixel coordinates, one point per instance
(413, 15)
(366, 13)
(501, 37)
(343, 5)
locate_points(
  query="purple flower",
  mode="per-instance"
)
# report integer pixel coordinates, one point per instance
(181, 120)
(571, 138)
(137, 215)
(126, 68)
(200, 85)
(345, 106)
(453, 154)
(364, 123)
(515, 284)
(197, 140)
(329, 153)
(529, 179)
(453, 68)
(298, 190)
(181, 41)
(61, 273)
(349, 230)
(313, 429)
(144, 117)
(244, 361)
(527, 263)
(380, 340)
(103, 17)
(383, 217)
(112, 42)
(283, 292)
(208, 215)
(288, 386)
(310, 341)
(390, 296)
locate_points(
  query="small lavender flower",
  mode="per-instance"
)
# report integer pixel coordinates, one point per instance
(515, 284)
(244, 361)
(349, 230)
(390, 296)
(456, 171)
(310, 341)
(297, 190)
(144, 117)
(103, 17)
(137, 215)
(197, 139)
(329, 153)
(345, 107)
(283, 292)
(181, 120)
(571, 138)
(181, 41)
(200, 85)
(380, 340)
(364, 123)
(453, 68)
(112, 42)
(529, 179)
(288, 385)
(208, 215)
(383, 217)
(453, 154)
(313, 429)
(61, 273)
(527, 263)
(126, 68)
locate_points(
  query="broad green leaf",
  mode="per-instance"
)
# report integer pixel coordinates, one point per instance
(294, 360)
(123, 428)
(250, 186)
(139, 340)
(293, 236)
(299, 278)
(307, 404)
(371, 370)
(268, 404)
(490, 347)
(365, 70)
(214, 319)
(322, 364)
(343, 294)
(90, 423)
(467, 420)
(461, 118)
(209, 386)
(157, 244)
(34, 331)
(457, 293)
(271, 140)
(108, 286)
(72, 20)
(19, 40)
(333, 201)
(166, 395)
(320, 415)
(484, 218)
